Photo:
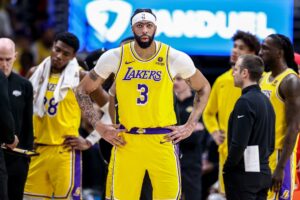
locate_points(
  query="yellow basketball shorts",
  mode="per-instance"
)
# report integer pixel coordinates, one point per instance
(129, 163)
(54, 174)
(288, 185)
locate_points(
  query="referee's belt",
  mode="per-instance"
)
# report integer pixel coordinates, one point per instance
(147, 130)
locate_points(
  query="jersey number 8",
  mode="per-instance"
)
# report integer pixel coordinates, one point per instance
(52, 106)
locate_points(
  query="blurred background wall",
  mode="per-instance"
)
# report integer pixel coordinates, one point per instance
(33, 24)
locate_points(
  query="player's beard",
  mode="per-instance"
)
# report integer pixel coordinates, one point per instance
(142, 44)
(268, 63)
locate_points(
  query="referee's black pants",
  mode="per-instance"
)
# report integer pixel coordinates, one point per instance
(17, 170)
(246, 185)
(3, 178)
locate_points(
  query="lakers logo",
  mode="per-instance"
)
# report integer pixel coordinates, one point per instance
(142, 74)
(285, 194)
(77, 192)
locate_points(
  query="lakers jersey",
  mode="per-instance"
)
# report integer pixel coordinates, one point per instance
(271, 90)
(144, 89)
(60, 119)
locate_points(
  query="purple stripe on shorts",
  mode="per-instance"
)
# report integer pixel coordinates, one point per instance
(76, 191)
(285, 190)
(148, 130)
(177, 154)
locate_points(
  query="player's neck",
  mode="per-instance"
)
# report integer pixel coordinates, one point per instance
(55, 70)
(278, 69)
(147, 52)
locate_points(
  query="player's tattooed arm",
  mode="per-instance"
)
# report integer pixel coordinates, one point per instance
(201, 88)
(93, 75)
(89, 84)
(86, 106)
(197, 102)
(198, 93)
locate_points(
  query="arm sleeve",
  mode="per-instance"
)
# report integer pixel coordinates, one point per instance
(108, 63)
(180, 64)
(27, 126)
(7, 124)
(242, 123)
(210, 112)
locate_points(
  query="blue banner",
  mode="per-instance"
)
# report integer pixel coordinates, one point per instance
(197, 27)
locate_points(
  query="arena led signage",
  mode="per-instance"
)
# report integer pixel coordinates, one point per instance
(198, 27)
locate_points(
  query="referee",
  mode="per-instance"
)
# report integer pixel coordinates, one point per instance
(251, 131)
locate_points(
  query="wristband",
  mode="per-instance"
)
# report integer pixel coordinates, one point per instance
(93, 137)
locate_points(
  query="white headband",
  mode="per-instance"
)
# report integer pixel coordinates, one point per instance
(143, 16)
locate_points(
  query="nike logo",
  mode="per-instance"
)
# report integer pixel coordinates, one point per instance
(162, 142)
(128, 62)
(240, 116)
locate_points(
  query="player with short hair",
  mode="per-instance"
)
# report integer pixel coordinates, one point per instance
(56, 172)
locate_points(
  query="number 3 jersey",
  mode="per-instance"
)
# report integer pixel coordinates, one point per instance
(144, 89)
(60, 119)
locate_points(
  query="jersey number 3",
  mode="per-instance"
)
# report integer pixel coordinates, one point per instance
(143, 98)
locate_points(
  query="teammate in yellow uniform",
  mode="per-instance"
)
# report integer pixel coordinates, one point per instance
(144, 70)
(56, 172)
(282, 86)
(223, 97)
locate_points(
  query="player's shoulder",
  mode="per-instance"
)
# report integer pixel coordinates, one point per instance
(225, 77)
(179, 57)
(291, 81)
(113, 52)
(176, 53)
(110, 55)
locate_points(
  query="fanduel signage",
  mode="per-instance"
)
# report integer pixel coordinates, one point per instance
(199, 27)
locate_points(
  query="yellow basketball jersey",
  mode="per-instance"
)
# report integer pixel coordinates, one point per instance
(144, 89)
(60, 119)
(271, 90)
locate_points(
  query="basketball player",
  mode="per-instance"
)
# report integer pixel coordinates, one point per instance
(56, 172)
(282, 86)
(146, 140)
